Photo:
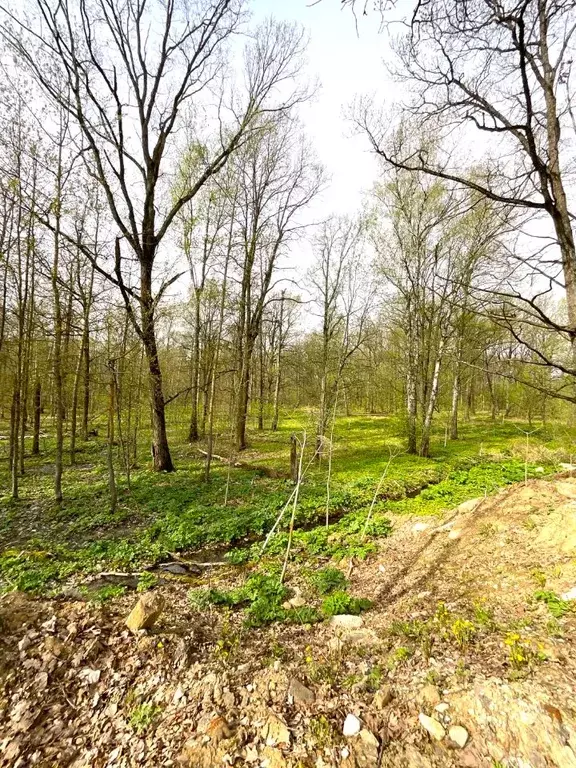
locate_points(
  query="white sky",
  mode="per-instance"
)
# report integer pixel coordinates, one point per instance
(346, 63)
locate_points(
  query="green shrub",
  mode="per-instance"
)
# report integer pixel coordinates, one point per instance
(342, 603)
(556, 605)
(327, 580)
(143, 716)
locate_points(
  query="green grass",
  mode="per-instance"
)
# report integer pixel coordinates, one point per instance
(44, 544)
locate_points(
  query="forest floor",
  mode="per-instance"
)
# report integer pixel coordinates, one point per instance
(440, 634)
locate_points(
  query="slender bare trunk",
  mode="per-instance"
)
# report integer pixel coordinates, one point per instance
(432, 397)
(37, 417)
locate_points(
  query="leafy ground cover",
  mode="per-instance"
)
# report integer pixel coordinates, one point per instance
(44, 544)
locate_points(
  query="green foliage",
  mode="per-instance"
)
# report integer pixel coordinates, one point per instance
(342, 603)
(556, 605)
(327, 580)
(463, 632)
(109, 592)
(146, 581)
(374, 678)
(143, 716)
(521, 652)
(322, 732)
(399, 656)
(168, 513)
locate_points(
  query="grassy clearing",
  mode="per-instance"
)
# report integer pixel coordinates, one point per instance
(44, 544)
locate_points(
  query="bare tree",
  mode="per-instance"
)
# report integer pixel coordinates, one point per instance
(126, 74)
(501, 69)
(278, 177)
(339, 285)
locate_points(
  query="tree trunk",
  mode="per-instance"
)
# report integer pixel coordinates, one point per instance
(261, 385)
(454, 406)
(75, 393)
(411, 410)
(243, 396)
(432, 397)
(160, 449)
(37, 417)
(86, 397)
(193, 430)
(14, 441)
(110, 446)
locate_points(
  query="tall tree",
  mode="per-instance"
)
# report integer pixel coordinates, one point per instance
(126, 74)
(499, 69)
(277, 177)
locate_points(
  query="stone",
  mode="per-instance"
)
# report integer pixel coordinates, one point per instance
(294, 602)
(366, 748)
(383, 697)
(458, 735)
(146, 612)
(442, 708)
(570, 595)
(431, 726)
(414, 758)
(346, 621)
(299, 693)
(353, 637)
(275, 732)
(567, 489)
(469, 506)
(420, 527)
(455, 534)
(271, 757)
(429, 696)
(218, 729)
(352, 725)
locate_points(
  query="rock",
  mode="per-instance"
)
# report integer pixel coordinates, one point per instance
(272, 758)
(366, 748)
(295, 602)
(146, 612)
(299, 693)
(415, 759)
(346, 621)
(455, 534)
(218, 729)
(567, 489)
(383, 697)
(429, 695)
(567, 467)
(431, 726)
(352, 725)
(458, 735)
(275, 732)
(442, 708)
(469, 506)
(353, 637)
(570, 595)
(420, 527)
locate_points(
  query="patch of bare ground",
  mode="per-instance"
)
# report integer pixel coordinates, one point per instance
(466, 659)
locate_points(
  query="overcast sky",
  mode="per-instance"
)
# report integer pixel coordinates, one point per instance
(347, 64)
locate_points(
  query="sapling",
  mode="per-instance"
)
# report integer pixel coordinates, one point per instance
(294, 506)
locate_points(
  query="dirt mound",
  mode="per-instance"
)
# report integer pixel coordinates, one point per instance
(466, 659)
